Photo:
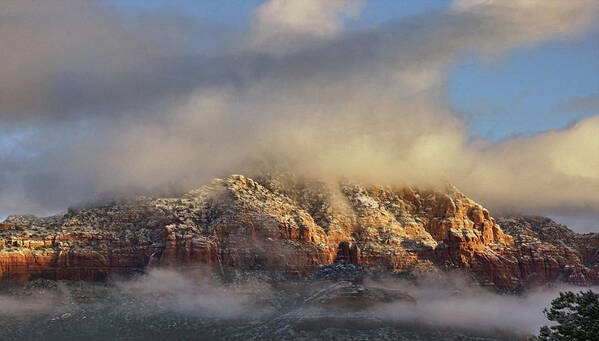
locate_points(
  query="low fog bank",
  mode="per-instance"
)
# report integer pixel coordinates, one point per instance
(453, 302)
(167, 301)
(20, 306)
(159, 305)
(580, 223)
(195, 292)
(198, 293)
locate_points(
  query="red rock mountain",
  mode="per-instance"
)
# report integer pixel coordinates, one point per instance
(292, 227)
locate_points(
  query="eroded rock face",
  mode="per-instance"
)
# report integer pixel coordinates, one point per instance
(547, 251)
(88, 244)
(285, 225)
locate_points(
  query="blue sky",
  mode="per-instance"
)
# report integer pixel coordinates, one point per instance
(528, 90)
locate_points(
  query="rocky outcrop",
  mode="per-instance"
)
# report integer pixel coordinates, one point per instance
(284, 225)
(547, 251)
(87, 244)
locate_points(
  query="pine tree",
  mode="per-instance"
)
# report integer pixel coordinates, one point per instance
(576, 317)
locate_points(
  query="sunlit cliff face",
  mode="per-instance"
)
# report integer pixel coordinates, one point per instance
(97, 102)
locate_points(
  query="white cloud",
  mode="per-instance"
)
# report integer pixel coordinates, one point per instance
(280, 26)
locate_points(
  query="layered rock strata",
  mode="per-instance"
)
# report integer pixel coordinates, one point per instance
(293, 226)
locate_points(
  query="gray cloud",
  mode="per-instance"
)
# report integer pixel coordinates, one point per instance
(587, 104)
(122, 103)
(581, 223)
(84, 57)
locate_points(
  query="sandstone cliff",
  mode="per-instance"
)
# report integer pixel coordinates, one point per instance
(292, 227)
(547, 251)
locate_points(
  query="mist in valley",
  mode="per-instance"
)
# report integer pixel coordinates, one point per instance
(196, 303)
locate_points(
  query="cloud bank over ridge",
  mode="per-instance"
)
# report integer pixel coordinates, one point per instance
(97, 101)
